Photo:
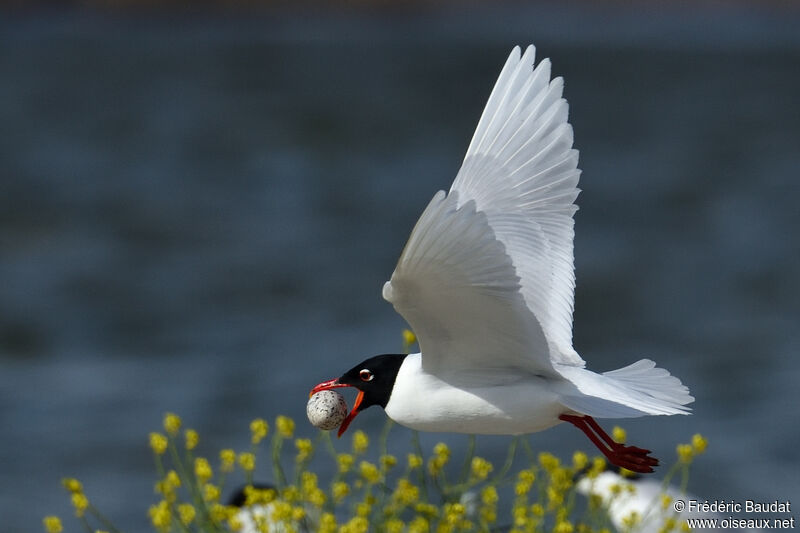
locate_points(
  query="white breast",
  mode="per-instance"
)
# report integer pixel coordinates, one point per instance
(500, 403)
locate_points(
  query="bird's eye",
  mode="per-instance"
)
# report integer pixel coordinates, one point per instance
(365, 375)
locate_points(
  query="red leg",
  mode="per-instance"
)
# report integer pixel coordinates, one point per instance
(630, 457)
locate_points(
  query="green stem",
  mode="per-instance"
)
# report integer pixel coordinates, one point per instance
(421, 471)
(102, 519)
(277, 468)
(467, 467)
(512, 451)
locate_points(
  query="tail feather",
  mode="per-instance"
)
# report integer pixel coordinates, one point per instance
(635, 390)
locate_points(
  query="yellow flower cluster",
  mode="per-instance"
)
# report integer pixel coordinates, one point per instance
(158, 443)
(247, 461)
(172, 424)
(258, 430)
(52, 524)
(202, 470)
(360, 442)
(285, 426)
(414, 461)
(304, 450)
(192, 438)
(369, 472)
(441, 456)
(406, 493)
(687, 452)
(345, 462)
(167, 487)
(227, 460)
(408, 338)
(480, 468)
(423, 500)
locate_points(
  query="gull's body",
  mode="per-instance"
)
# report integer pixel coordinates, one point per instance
(486, 281)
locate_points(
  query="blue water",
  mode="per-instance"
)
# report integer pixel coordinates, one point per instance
(197, 214)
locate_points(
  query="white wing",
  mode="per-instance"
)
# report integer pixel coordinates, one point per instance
(486, 278)
(458, 289)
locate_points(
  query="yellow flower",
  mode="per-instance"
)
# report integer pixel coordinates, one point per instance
(549, 461)
(227, 459)
(234, 523)
(211, 492)
(699, 443)
(285, 426)
(369, 472)
(52, 524)
(669, 525)
(158, 443)
(308, 480)
(579, 460)
(255, 496)
(685, 453)
(563, 526)
(357, 524)
(172, 479)
(480, 468)
(327, 523)
(219, 513)
(172, 424)
(298, 513)
(258, 430)
(360, 442)
(166, 487)
(192, 438)
(387, 462)
(441, 455)
(363, 509)
(340, 490)
(72, 484)
(598, 465)
(186, 512)
(291, 493)
(281, 511)
(345, 461)
(631, 520)
(80, 502)
(489, 495)
(408, 338)
(419, 525)
(406, 492)
(666, 501)
(304, 449)
(525, 480)
(619, 434)
(247, 461)
(202, 470)
(394, 525)
(414, 461)
(160, 515)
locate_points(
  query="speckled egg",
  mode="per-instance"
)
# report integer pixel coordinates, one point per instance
(326, 409)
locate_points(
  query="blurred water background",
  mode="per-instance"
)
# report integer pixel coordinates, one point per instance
(197, 212)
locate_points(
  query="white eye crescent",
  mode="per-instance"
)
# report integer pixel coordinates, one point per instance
(365, 375)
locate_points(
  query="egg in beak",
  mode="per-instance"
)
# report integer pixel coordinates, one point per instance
(335, 384)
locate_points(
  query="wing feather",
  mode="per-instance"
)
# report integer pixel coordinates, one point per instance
(459, 291)
(486, 279)
(529, 169)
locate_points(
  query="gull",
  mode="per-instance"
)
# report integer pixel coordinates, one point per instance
(486, 281)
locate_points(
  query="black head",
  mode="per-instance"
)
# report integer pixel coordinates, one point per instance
(374, 379)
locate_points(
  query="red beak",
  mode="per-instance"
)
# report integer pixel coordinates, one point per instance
(334, 384)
